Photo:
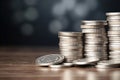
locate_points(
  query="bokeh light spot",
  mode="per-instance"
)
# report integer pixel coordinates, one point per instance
(27, 29)
(31, 14)
(30, 2)
(18, 16)
(59, 9)
(55, 26)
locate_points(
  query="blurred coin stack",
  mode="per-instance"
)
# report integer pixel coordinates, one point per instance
(95, 40)
(70, 44)
(114, 36)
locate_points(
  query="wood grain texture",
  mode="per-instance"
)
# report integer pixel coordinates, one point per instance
(18, 64)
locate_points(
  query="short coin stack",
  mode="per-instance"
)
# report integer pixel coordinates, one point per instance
(70, 45)
(95, 40)
(114, 36)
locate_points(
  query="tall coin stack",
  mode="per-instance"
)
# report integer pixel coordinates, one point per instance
(114, 36)
(70, 44)
(95, 40)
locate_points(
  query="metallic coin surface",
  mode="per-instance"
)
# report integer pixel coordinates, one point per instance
(81, 62)
(67, 64)
(70, 34)
(56, 66)
(113, 14)
(90, 26)
(49, 59)
(91, 30)
(94, 22)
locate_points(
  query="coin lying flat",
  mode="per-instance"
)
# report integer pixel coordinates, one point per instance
(90, 26)
(49, 59)
(97, 22)
(55, 66)
(70, 34)
(103, 64)
(91, 30)
(81, 62)
(113, 14)
(67, 64)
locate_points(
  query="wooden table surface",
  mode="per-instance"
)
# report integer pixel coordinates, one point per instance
(18, 64)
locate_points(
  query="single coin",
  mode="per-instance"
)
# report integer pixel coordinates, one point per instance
(93, 48)
(67, 45)
(94, 35)
(56, 66)
(91, 31)
(91, 26)
(70, 47)
(94, 54)
(112, 28)
(49, 59)
(93, 59)
(116, 17)
(115, 52)
(115, 56)
(115, 22)
(116, 62)
(113, 14)
(70, 34)
(115, 43)
(93, 39)
(70, 37)
(104, 64)
(81, 62)
(91, 43)
(94, 22)
(113, 35)
(113, 32)
(67, 64)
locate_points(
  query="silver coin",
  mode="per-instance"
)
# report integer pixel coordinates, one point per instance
(104, 64)
(112, 28)
(81, 62)
(94, 54)
(93, 40)
(113, 32)
(113, 14)
(115, 17)
(90, 26)
(114, 43)
(70, 34)
(67, 64)
(91, 30)
(70, 44)
(115, 56)
(115, 62)
(93, 48)
(114, 22)
(49, 59)
(70, 47)
(56, 66)
(114, 52)
(94, 35)
(93, 59)
(94, 23)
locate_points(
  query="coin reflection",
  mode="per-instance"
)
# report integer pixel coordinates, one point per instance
(67, 75)
(115, 75)
(91, 76)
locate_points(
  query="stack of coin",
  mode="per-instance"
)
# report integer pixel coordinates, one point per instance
(114, 36)
(70, 44)
(95, 40)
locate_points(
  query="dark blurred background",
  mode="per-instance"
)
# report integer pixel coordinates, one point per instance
(37, 22)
